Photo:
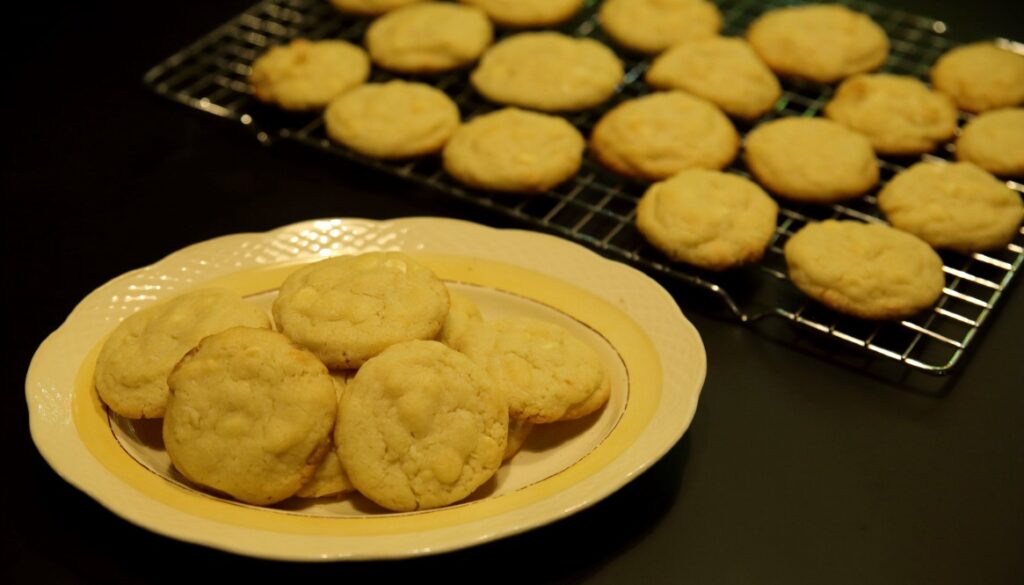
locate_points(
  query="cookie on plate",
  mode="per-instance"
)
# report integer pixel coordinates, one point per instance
(548, 71)
(370, 7)
(897, 113)
(392, 120)
(871, 271)
(514, 151)
(811, 160)
(250, 415)
(656, 136)
(462, 315)
(330, 479)
(980, 77)
(348, 309)
(133, 365)
(818, 42)
(955, 206)
(528, 13)
(429, 38)
(722, 70)
(651, 26)
(420, 426)
(994, 141)
(709, 219)
(307, 75)
(544, 372)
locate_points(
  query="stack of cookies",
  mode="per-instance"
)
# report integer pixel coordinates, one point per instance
(373, 377)
(682, 136)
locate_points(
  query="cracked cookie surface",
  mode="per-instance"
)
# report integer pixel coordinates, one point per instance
(420, 426)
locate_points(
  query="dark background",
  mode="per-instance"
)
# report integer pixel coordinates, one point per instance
(795, 470)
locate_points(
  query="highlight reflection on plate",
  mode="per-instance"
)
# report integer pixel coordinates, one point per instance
(655, 358)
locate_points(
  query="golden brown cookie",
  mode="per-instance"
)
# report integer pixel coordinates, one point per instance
(370, 7)
(994, 141)
(722, 70)
(393, 120)
(420, 426)
(307, 75)
(658, 135)
(818, 42)
(528, 13)
(811, 159)
(897, 113)
(250, 415)
(514, 151)
(870, 271)
(980, 77)
(956, 206)
(429, 38)
(709, 219)
(651, 26)
(548, 71)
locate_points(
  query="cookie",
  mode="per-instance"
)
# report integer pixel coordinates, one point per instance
(393, 120)
(307, 75)
(994, 141)
(370, 7)
(350, 308)
(811, 159)
(651, 26)
(980, 77)
(518, 432)
(514, 151)
(528, 13)
(462, 314)
(898, 113)
(250, 415)
(818, 42)
(709, 219)
(656, 136)
(722, 70)
(429, 38)
(420, 426)
(330, 479)
(548, 71)
(133, 365)
(871, 271)
(544, 372)
(955, 206)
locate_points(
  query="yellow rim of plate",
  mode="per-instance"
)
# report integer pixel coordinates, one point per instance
(633, 345)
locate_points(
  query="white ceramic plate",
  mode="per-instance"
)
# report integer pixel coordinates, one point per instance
(654, 354)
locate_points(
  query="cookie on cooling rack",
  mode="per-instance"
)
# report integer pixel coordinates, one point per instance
(528, 13)
(709, 219)
(514, 151)
(429, 38)
(370, 7)
(871, 271)
(980, 76)
(132, 367)
(421, 426)
(994, 141)
(722, 70)
(350, 308)
(811, 159)
(462, 315)
(897, 113)
(656, 136)
(392, 120)
(307, 75)
(818, 42)
(250, 415)
(548, 71)
(651, 26)
(955, 206)
(545, 373)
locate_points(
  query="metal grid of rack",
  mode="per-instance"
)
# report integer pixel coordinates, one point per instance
(596, 206)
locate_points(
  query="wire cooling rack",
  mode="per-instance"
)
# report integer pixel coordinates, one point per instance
(596, 207)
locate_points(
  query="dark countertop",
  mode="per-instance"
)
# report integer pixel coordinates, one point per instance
(795, 469)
